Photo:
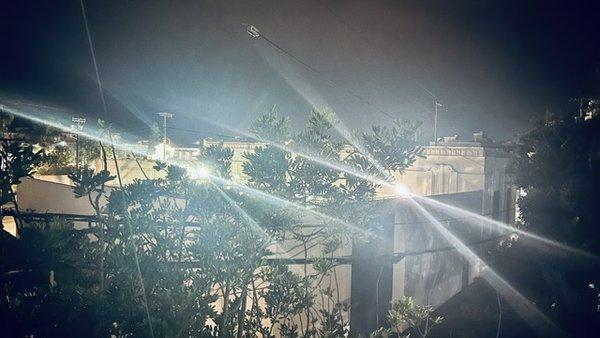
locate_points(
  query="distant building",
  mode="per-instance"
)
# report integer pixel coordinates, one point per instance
(166, 151)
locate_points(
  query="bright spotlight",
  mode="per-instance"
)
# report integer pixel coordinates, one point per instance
(202, 172)
(401, 191)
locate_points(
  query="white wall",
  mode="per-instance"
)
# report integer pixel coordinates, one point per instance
(51, 194)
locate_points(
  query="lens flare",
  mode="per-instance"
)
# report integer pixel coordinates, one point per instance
(279, 250)
(203, 172)
(341, 167)
(401, 191)
(274, 200)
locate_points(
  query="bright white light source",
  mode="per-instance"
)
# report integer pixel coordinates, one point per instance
(202, 172)
(401, 191)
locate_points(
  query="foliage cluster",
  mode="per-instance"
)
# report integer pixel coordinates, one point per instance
(406, 315)
(180, 257)
(557, 165)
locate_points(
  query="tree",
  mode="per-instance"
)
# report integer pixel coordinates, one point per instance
(181, 257)
(58, 157)
(407, 316)
(89, 152)
(557, 166)
(27, 130)
(405, 313)
(59, 160)
(17, 161)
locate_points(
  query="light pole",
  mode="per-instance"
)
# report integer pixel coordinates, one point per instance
(77, 127)
(165, 115)
(435, 121)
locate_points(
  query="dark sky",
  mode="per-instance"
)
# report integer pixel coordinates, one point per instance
(494, 65)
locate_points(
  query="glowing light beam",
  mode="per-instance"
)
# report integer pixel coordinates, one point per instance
(274, 200)
(473, 218)
(315, 159)
(525, 308)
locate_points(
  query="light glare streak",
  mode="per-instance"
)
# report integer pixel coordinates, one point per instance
(473, 218)
(324, 162)
(253, 223)
(283, 202)
(525, 308)
(444, 206)
(314, 99)
(189, 168)
(92, 135)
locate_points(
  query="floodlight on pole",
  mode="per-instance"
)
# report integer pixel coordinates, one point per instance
(165, 115)
(78, 120)
(77, 128)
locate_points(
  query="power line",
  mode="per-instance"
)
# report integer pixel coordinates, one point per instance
(436, 102)
(255, 33)
(93, 52)
(105, 110)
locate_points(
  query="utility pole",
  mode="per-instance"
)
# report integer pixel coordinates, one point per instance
(77, 128)
(435, 121)
(165, 115)
(436, 104)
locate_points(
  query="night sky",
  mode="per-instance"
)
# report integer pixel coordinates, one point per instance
(495, 66)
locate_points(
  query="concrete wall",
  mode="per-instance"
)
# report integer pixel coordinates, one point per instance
(131, 170)
(433, 277)
(52, 194)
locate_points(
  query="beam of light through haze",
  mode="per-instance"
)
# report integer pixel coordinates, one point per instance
(522, 306)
